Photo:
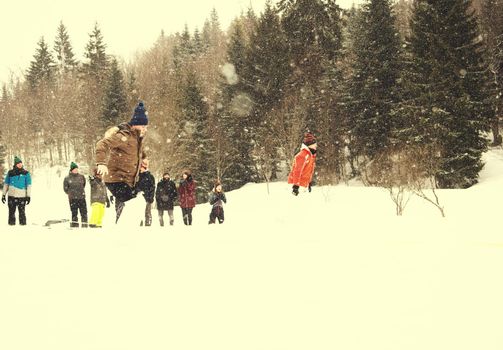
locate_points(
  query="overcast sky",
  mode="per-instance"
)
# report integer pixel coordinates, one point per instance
(127, 26)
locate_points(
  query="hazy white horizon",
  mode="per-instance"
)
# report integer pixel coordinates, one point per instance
(127, 27)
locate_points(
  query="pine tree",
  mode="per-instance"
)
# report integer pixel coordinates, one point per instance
(313, 33)
(265, 74)
(95, 53)
(65, 59)
(92, 91)
(267, 64)
(491, 20)
(197, 43)
(5, 94)
(194, 141)
(42, 67)
(116, 104)
(373, 86)
(314, 37)
(235, 165)
(446, 103)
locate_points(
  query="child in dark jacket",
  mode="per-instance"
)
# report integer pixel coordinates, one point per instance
(73, 186)
(99, 198)
(217, 198)
(146, 184)
(165, 197)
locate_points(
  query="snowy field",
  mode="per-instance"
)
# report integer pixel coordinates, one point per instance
(331, 269)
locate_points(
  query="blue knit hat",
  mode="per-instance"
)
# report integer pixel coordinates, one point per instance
(139, 116)
(17, 160)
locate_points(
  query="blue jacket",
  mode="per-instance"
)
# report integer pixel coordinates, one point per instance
(17, 183)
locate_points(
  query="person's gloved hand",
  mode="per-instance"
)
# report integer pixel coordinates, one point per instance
(3, 199)
(108, 204)
(295, 190)
(27, 200)
(309, 187)
(102, 169)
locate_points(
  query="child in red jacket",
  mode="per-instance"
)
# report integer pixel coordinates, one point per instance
(303, 164)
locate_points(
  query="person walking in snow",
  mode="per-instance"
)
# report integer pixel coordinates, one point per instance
(217, 198)
(119, 155)
(99, 198)
(17, 187)
(146, 184)
(187, 195)
(165, 197)
(74, 186)
(303, 166)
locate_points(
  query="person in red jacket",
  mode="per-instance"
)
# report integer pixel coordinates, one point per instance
(303, 164)
(187, 196)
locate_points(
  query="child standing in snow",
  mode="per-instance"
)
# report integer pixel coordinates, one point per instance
(146, 184)
(217, 198)
(165, 196)
(73, 186)
(17, 188)
(99, 198)
(187, 195)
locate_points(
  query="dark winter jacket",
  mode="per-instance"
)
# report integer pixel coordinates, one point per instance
(146, 184)
(187, 193)
(98, 191)
(17, 183)
(217, 199)
(166, 194)
(121, 150)
(74, 185)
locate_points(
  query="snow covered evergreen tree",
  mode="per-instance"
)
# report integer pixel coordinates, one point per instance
(42, 66)
(266, 71)
(373, 85)
(195, 145)
(95, 53)
(446, 105)
(92, 91)
(65, 59)
(491, 20)
(267, 64)
(116, 105)
(313, 30)
(235, 166)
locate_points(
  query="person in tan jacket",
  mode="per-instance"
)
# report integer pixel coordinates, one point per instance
(119, 156)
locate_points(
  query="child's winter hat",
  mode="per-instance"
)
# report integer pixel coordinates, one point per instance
(17, 160)
(309, 139)
(73, 165)
(139, 116)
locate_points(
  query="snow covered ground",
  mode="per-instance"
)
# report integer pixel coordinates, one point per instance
(331, 269)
